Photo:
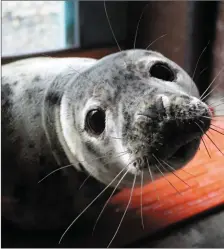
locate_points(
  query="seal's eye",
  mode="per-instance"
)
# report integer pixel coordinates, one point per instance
(95, 121)
(162, 71)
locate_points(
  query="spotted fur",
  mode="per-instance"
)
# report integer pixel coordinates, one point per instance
(44, 105)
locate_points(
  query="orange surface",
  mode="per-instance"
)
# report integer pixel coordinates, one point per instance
(202, 187)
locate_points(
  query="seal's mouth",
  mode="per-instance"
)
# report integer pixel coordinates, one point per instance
(183, 152)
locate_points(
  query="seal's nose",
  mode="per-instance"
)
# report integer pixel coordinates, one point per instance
(183, 114)
(170, 127)
(179, 114)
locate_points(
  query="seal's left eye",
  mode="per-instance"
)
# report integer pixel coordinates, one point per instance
(95, 121)
(162, 71)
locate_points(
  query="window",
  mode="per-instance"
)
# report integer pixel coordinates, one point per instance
(31, 27)
(37, 26)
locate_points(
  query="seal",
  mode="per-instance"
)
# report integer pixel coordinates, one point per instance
(130, 112)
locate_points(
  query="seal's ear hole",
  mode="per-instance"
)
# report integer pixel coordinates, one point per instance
(95, 121)
(162, 71)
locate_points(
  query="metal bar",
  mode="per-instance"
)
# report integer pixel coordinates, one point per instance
(71, 20)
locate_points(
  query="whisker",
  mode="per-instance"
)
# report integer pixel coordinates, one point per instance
(109, 199)
(124, 211)
(155, 41)
(205, 147)
(115, 158)
(219, 110)
(216, 102)
(179, 169)
(218, 105)
(202, 96)
(66, 166)
(211, 140)
(202, 71)
(52, 172)
(111, 29)
(199, 59)
(142, 176)
(90, 204)
(84, 181)
(136, 33)
(118, 155)
(103, 165)
(172, 171)
(217, 127)
(216, 131)
(214, 144)
(202, 138)
(197, 65)
(150, 172)
(212, 118)
(202, 122)
(207, 117)
(210, 133)
(164, 175)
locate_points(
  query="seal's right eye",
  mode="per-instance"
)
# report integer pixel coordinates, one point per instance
(162, 71)
(95, 121)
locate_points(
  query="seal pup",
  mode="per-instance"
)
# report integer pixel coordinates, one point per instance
(130, 112)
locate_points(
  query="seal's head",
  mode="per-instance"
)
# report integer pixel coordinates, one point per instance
(134, 109)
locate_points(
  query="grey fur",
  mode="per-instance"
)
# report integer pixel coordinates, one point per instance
(44, 103)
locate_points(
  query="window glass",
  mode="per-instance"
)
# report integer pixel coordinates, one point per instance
(32, 26)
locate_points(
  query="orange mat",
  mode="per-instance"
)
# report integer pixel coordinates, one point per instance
(201, 187)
